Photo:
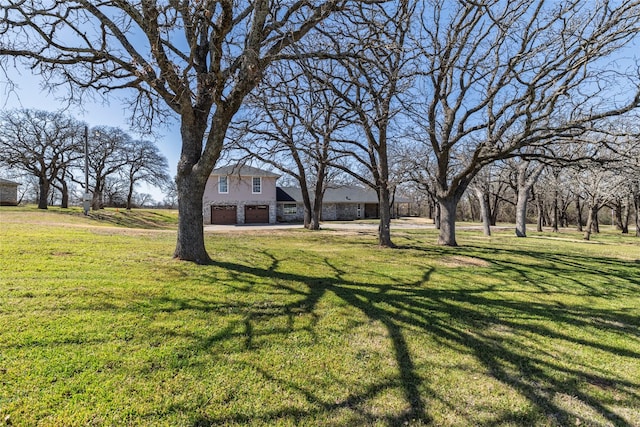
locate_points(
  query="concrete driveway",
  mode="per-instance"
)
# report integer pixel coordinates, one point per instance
(404, 223)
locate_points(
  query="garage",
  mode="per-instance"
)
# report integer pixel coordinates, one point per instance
(256, 214)
(223, 214)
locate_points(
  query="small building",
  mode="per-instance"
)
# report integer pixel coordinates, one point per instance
(240, 194)
(8, 193)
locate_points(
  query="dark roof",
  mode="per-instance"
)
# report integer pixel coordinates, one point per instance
(242, 170)
(7, 182)
(347, 194)
(283, 196)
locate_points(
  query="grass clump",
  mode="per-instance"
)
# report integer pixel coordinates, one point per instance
(99, 326)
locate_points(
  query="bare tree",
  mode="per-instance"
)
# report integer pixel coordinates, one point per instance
(500, 76)
(374, 74)
(527, 173)
(291, 124)
(636, 204)
(41, 143)
(197, 60)
(488, 189)
(625, 162)
(599, 184)
(170, 194)
(108, 148)
(143, 163)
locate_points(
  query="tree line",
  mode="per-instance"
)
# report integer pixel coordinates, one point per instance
(435, 93)
(57, 151)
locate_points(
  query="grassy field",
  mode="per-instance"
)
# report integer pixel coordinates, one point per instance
(99, 326)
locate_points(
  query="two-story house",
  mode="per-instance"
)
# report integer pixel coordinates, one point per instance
(240, 195)
(247, 195)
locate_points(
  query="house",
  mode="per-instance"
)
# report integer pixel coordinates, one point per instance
(338, 204)
(8, 193)
(240, 195)
(246, 195)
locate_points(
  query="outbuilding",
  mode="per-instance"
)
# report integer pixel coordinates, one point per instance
(8, 192)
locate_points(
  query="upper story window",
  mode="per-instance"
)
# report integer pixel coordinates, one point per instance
(223, 184)
(256, 185)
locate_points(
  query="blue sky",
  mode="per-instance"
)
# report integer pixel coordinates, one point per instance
(28, 93)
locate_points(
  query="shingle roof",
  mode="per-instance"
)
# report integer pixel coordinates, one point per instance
(283, 196)
(242, 170)
(348, 194)
(7, 182)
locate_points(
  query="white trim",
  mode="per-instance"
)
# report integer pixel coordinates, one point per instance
(290, 208)
(226, 179)
(253, 185)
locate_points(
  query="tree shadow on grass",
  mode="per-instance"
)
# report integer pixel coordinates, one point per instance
(465, 319)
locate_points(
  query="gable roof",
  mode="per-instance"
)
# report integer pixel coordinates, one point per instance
(7, 182)
(243, 170)
(347, 194)
(283, 196)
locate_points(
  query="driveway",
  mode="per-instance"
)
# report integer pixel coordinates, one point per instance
(404, 223)
(396, 224)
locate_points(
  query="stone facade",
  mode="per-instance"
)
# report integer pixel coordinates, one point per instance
(289, 217)
(330, 212)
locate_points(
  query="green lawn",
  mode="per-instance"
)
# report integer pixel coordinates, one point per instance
(99, 326)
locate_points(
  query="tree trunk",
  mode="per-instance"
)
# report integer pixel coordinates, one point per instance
(308, 207)
(578, 214)
(130, 194)
(525, 184)
(472, 211)
(384, 229)
(540, 212)
(636, 203)
(448, 206)
(564, 217)
(190, 245)
(96, 201)
(617, 214)
(44, 193)
(65, 195)
(485, 208)
(521, 211)
(626, 210)
(546, 215)
(556, 213)
(191, 179)
(314, 220)
(592, 220)
(310, 223)
(318, 194)
(307, 217)
(437, 217)
(493, 213)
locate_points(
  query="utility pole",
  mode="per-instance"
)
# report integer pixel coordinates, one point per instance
(86, 197)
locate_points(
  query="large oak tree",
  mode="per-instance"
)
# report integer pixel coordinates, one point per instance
(41, 143)
(500, 76)
(197, 60)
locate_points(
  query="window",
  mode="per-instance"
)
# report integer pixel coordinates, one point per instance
(223, 184)
(256, 186)
(290, 209)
